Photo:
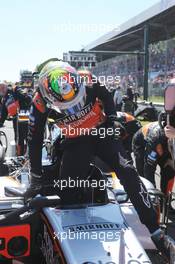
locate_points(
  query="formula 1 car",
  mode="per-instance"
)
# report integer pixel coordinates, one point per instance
(103, 229)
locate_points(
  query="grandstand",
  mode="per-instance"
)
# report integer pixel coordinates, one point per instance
(142, 52)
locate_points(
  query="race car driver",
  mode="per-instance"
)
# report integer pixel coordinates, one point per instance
(13, 101)
(151, 148)
(79, 107)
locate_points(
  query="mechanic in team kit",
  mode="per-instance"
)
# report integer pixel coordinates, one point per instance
(151, 148)
(78, 107)
(130, 125)
(14, 101)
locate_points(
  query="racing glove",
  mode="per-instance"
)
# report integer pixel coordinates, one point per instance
(113, 121)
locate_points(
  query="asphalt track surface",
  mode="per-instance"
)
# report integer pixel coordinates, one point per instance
(8, 129)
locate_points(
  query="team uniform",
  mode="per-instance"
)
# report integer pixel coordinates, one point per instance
(12, 104)
(151, 148)
(131, 125)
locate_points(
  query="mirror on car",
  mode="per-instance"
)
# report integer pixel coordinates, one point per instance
(44, 201)
(121, 196)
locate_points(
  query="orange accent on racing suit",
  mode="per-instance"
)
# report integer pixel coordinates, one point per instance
(150, 147)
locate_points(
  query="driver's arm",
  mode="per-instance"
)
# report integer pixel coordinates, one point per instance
(104, 95)
(37, 121)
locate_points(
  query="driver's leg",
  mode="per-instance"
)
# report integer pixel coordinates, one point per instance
(75, 166)
(112, 152)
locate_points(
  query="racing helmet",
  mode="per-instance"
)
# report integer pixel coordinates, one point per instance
(3, 89)
(40, 66)
(38, 69)
(60, 87)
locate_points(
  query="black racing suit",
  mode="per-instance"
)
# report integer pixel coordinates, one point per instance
(14, 101)
(79, 151)
(150, 147)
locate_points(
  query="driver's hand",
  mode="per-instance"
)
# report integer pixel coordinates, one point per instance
(115, 123)
(169, 131)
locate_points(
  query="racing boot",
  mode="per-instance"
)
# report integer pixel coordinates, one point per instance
(35, 186)
(164, 243)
